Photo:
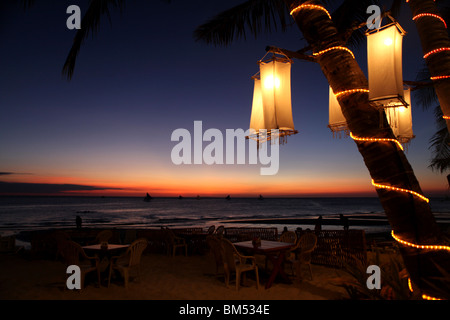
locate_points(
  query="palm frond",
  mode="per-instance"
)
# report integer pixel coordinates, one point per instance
(425, 96)
(253, 16)
(440, 145)
(89, 24)
(395, 8)
(350, 14)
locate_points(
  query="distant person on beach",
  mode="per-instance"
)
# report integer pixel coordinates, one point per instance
(318, 226)
(344, 221)
(79, 222)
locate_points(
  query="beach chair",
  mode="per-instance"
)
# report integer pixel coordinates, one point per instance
(73, 254)
(302, 253)
(233, 261)
(174, 242)
(130, 260)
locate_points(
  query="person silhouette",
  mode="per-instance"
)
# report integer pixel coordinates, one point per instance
(344, 221)
(318, 226)
(79, 222)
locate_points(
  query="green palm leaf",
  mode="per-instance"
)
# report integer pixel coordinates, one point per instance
(253, 16)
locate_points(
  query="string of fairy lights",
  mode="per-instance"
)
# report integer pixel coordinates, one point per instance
(438, 50)
(383, 140)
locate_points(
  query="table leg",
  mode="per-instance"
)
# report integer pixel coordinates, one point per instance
(277, 262)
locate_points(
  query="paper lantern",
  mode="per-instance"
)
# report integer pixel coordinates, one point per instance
(400, 120)
(272, 108)
(384, 58)
(336, 120)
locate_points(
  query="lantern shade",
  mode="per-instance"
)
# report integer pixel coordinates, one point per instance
(336, 120)
(384, 60)
(272, 107)
(400, 120)
(257, 116)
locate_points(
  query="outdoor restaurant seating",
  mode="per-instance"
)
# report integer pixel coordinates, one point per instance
(288, 236)
(73, 254)
(302, 253)
(174, 242)
(237, 263)
(216, 249)
(220, 230)
(211, 229)
(128, 261)
(103, 236)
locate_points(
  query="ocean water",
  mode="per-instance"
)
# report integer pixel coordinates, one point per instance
(32, 213)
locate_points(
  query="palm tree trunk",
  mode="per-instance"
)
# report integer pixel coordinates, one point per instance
(409, 216)
(433, 35)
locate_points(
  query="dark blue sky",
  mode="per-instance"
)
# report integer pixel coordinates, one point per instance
(144, 76)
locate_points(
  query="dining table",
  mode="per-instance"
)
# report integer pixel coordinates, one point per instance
(105, 252)
(275, 251)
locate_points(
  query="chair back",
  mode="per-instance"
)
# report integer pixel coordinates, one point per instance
(307, 243)
(288, 236)
(211, 229)
(135, 250)
(71, 252)
(215, 246)
(229, 255)
(169, 235)
(104, 236)
(220, 230)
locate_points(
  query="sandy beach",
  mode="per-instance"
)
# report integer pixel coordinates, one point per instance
(162, 277)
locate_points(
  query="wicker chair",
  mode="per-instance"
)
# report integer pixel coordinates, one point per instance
(211, 229)
(103, 236)
(235, 262)
(302, 252)
(131, 259)
(288, 236)
(220, 230)
(174, 242)
(73, 254)
(216, 251)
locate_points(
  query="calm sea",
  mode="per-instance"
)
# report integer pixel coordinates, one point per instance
(31, 213)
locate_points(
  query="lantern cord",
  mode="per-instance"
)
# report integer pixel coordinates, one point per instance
(310, 6)
(436, 51)
(430, 15)
(334, 48)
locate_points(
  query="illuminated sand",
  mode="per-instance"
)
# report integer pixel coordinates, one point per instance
(163, 278)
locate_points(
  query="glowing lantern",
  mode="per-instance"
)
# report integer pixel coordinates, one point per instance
(384, 54)
(337, 122)
(272, 108)
(400, 120)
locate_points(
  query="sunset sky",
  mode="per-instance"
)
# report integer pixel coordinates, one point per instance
(108, 130)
